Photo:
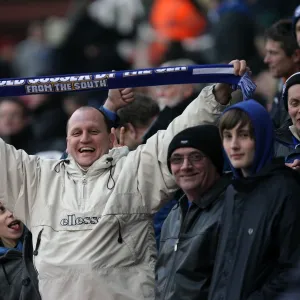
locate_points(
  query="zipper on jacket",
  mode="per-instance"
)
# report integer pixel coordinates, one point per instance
(176, 244)
(184, 217)
(84, 183)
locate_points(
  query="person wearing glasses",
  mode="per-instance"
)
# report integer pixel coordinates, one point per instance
(189, 235)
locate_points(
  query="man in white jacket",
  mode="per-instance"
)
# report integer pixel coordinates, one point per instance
(91, 215)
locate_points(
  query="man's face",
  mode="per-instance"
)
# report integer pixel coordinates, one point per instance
(192, 169)
(87, 136)
(298, 32)
(294, 105)
(280, 65)
(169, 95)
(239, 147)
(12, 119)
(10, 228)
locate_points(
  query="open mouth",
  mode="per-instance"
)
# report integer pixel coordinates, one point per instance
(188, 176)
(86, 150)
(15, 225)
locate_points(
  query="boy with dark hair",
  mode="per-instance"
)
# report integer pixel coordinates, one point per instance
(259, 240)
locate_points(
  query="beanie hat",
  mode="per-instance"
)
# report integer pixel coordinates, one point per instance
(205, 138)
(296, 18)
(292, 80)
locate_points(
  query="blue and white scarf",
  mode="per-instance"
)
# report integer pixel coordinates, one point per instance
(130, 78)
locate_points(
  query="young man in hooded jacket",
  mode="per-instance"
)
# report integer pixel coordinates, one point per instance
(190, 233)
(259, 241)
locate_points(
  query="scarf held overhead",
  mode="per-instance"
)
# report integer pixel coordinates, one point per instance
(130, 78)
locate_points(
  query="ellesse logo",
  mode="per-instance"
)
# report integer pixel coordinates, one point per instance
(72, 220)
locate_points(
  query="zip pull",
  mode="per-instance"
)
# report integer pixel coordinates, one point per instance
(175, 246)
(84, 181)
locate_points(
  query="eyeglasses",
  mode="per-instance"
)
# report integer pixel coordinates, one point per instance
(193, 158)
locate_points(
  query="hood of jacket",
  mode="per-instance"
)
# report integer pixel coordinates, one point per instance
(5, 250)
(263, 132)
(104, 163)
(275, 167)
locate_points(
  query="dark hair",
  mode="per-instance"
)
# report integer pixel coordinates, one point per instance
(140, 112)
(282, 32)
(233, 117)
(17, 101)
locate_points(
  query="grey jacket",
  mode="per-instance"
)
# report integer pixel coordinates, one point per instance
(18, 278)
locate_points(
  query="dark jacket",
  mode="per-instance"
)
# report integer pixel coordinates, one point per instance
(49, 123)
(188, 245)
(18, 278)
(293, 292)
(286, 144)
(259, 241)
(167, 115)
(23, 140)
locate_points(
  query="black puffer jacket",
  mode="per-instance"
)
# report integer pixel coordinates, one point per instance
(18, 278)
(259, 242)
(188, 244)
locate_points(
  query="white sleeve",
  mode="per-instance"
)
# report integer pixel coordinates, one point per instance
(18, 181)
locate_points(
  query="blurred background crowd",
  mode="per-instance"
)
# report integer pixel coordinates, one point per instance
(48, 37)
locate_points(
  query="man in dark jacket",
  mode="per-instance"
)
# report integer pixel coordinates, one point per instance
(190, 233)
(288, 136)
(259, 242)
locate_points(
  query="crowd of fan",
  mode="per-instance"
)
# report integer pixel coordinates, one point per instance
(169, 192)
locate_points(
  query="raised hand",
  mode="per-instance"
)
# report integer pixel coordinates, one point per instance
(119, 142)
(118, 98)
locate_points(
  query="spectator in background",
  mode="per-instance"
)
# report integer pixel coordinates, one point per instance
(48, 121)
(174, 22)
(190, 234)
(296, 24)
(288, 137)
(172, 99)
(136, 118)
(74, 101)
(283, 59)
(15, 127)
(234, 31)
(33, 56)
(18, 278)
(259, 242)
(6, 57)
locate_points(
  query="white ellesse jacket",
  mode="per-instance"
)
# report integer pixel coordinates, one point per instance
(93, 232)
